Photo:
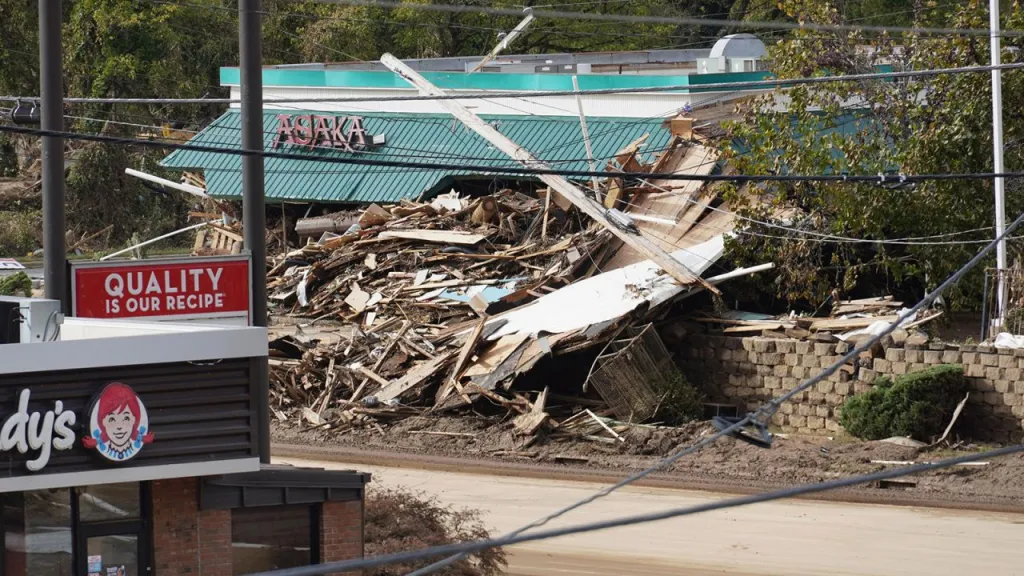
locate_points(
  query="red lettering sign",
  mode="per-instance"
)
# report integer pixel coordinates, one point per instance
(313, 131)
(181, 289)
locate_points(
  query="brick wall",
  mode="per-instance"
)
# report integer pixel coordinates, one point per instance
(341, 532)
(749, 371)
(187, 541)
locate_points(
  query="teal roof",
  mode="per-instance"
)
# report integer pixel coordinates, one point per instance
(326, 78)
(433, 138)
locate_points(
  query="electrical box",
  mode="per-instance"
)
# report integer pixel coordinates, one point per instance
(29, 320)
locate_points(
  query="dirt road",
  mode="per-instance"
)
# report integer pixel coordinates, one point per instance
(780, 538)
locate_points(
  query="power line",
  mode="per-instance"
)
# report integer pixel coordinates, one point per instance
(471, 547)
(825, 237)
(880, 179)
(759, 417)
(765, 84)
(678, 20)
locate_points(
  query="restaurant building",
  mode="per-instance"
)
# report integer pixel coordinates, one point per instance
(138, 448)
(549, 127)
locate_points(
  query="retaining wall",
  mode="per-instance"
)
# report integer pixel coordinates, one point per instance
(749, 371)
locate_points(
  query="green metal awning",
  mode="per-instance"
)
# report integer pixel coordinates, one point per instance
(433, 138)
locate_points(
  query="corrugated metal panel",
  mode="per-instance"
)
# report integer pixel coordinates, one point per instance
(434, 138)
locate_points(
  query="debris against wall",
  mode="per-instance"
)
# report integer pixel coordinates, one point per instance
(749, 371)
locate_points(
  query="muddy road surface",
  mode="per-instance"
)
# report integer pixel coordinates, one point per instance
(791, 538)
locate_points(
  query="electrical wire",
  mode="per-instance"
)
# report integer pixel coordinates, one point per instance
(759, 416)
(880, 179)
(765, 84)
(519, 538)
(677, 20)
(824, 237)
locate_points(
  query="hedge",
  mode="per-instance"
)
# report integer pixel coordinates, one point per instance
(918, 404)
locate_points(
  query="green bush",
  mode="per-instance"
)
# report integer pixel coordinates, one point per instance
(918, 405)
(19, 233)
(682, 402)
(18, 284)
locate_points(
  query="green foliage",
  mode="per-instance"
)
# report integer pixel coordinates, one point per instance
(871, 128)
(19, 232)
(99, 192)
(18, 284)
(8, 157)
(918, 405)
(681, 403)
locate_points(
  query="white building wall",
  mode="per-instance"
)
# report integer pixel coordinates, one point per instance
(635, 105)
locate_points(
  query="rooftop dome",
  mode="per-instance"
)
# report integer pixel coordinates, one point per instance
(739, 46)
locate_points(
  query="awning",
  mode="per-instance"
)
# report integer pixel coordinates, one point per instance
(435, 138)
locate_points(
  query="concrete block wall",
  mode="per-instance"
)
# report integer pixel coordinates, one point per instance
(750, 371)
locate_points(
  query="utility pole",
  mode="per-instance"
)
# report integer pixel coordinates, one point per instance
(254, 216)
(51, 89)
(504, 42)
(567, 189)
(997, 162)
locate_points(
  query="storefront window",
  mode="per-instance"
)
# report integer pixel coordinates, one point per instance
(109, 502)
(37, 533)
(272, 537)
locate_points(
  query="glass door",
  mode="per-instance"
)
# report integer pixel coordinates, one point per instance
(112, 555)
(111, 534)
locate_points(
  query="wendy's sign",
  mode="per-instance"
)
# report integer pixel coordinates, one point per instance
(315, 131)
(118, 423)
(118, 427)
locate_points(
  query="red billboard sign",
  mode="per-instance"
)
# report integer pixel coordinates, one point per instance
(168, 289)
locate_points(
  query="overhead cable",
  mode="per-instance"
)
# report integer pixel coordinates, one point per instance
(880, 179)
(761, 416)
(792, 492)
(758, 416)
(678, 20)
(765, 84)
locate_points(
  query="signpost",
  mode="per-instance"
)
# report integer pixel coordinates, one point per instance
(171, 289)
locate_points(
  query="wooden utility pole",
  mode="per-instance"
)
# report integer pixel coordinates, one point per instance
(570, 191)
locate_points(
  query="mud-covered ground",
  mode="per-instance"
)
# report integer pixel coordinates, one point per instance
(727, 464)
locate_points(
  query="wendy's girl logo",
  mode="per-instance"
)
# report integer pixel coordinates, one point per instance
(118, 424)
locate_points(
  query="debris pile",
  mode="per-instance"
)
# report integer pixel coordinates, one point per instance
(414, 285)
(427, 307)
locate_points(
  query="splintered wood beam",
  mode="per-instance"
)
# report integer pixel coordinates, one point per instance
(567, 189)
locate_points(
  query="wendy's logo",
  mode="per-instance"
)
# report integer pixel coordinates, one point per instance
(118, 424)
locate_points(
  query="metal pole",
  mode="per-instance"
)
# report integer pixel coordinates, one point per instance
(51, 88)
(997, 162)
(254, 216)
(586, 133)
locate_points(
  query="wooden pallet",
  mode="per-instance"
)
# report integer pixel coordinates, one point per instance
(216, 240)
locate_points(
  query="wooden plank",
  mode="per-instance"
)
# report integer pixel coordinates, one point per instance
(414, 377)
(753, 328)
(570, 191)
(849, 323)
(437, 236)
(467, 350)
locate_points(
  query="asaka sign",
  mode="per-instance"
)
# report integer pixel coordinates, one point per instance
(315, 131)
(172, 289)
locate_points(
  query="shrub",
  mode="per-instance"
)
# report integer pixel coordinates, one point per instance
(18, 284)
(680, 403)
(399, 521)
(919, 404)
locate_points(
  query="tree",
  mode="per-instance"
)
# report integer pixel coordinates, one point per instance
(928, 125)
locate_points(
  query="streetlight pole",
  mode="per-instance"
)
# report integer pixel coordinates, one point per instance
(997, 162)
(254, 216)
(51, 88)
